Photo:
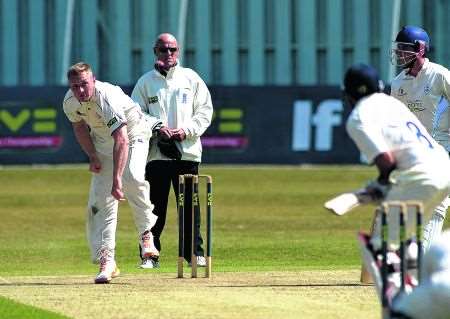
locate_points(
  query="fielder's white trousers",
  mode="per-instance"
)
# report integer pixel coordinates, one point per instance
(429, 185)
(102, 206)
(430, 300)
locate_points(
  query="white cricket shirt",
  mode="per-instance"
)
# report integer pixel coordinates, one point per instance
(380, 123)
(179, 100)
(427, 95)
(108, 109)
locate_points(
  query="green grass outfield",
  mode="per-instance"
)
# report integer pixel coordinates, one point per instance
(277, 252)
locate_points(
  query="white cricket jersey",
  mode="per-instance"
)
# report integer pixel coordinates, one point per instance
(426, 95)
(380, 123)
(179, 100)
(108, 109)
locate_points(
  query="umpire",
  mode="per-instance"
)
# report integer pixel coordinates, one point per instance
(180, 99)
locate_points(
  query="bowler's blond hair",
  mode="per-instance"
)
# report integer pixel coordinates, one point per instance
(78, 68)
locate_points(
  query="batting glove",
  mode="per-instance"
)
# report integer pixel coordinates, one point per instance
(377, 190)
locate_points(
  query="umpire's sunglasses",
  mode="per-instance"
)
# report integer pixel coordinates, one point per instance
(165, 50)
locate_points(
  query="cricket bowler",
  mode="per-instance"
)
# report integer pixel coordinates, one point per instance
(113, 132)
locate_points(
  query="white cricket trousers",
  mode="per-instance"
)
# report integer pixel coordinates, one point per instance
(429, 185)
(102, 206)
(430, 300)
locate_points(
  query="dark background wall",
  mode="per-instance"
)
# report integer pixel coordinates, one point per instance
(279, 125)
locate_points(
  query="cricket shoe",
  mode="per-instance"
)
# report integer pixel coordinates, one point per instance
(147, 246)
(411, 256)
(394, 286)
(108, 271)
(149, 263)
(393, 283)
(201, 261)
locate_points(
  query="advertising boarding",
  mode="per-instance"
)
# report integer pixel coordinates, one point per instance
(250, 125)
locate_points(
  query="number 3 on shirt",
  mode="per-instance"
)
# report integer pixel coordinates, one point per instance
(420, 136)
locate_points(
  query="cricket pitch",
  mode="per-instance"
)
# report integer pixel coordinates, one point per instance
(301, 294)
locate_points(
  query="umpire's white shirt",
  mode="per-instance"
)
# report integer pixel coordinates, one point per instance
(180, 100)
(427, 95)
(108, 109)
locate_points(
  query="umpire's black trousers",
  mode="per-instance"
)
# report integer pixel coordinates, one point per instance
(160, 174)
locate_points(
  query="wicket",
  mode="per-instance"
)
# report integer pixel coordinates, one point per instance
(194, 231)
(404, 267)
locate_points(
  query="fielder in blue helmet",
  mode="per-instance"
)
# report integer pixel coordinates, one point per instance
(424, 87)
(410, 46)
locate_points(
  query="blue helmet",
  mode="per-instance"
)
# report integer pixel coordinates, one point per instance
(412, 34)
(406, 47)
(361, 80)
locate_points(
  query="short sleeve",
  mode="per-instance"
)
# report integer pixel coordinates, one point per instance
(113, 110)
(368, 137)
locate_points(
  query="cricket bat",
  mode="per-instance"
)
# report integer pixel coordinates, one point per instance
(345, 202)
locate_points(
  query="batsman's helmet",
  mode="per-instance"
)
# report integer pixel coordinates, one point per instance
(406, 46)
(361, 80)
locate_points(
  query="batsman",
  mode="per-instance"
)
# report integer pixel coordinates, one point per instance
(412, 166)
